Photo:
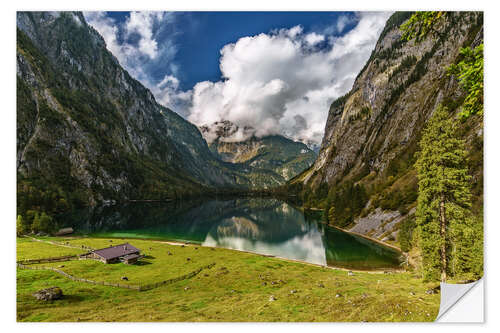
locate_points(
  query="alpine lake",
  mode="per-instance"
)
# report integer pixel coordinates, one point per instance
(258, 225)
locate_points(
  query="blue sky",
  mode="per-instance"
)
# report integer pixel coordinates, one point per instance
(199, 36)
(274, 71)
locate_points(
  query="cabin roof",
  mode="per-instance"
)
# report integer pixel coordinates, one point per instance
(116, 251)
(131, 256)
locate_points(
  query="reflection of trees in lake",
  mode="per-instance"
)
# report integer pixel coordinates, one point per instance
(347, 250)
(267, 226)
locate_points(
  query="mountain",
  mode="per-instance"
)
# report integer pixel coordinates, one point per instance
(372, 133)
(87, 132)
(283, 157)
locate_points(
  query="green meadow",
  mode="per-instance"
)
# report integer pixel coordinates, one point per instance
(240, 287)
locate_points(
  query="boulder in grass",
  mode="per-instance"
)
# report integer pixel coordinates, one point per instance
(49, 294)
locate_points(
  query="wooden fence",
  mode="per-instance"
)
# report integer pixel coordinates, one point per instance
(102, 283)
(177, 279)
(47, 260)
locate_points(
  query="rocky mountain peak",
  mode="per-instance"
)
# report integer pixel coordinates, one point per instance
(226, 131)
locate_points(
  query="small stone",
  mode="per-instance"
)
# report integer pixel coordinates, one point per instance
(125, 278)
(169, 253)
(186, 288)
(293, 291)
(272, 298)
(61, 266)
(264, 283)
(363, 296)
(338, 295)
(196, 248)
(188, 259)
(321, 285)
(412, 293)
(273, 283)
(49, 294)
(350, 273)
(182, 245)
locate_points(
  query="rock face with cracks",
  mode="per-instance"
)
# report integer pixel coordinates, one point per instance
(372, 133)
(89, 128)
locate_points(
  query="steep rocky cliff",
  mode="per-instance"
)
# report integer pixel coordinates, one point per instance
(372, 132)
(87, 129)
(284, 158)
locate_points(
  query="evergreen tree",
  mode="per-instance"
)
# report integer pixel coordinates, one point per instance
(20, 226)
(42, 222)
(443, 216)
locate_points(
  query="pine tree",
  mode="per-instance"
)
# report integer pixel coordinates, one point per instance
(444, 200)
(20, 226)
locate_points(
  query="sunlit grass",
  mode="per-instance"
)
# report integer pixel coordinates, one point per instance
(238, 288)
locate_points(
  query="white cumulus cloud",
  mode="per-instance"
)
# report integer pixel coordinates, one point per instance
(277, 84)
(135, 43)
(281, 82)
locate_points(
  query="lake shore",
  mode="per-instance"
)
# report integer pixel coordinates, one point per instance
(181, 243)
(381, 242)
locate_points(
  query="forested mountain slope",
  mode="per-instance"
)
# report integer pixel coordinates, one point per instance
(284, 158)
(88, 132)
(365, 168)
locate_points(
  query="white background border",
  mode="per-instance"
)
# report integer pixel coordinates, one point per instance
(8, 151)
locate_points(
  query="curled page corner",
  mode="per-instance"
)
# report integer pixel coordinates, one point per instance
(451, 295)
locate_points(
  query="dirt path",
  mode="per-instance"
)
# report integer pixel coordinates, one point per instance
(58, 244)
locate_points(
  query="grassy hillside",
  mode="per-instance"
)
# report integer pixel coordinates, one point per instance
(237, 288)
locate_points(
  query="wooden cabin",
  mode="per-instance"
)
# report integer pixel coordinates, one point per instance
(125, 253)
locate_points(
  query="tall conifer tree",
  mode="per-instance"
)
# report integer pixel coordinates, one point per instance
(444, 200)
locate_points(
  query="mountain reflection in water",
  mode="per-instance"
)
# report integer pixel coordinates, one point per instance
(264, 226)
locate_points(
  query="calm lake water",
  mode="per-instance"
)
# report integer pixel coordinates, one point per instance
(265, 226)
